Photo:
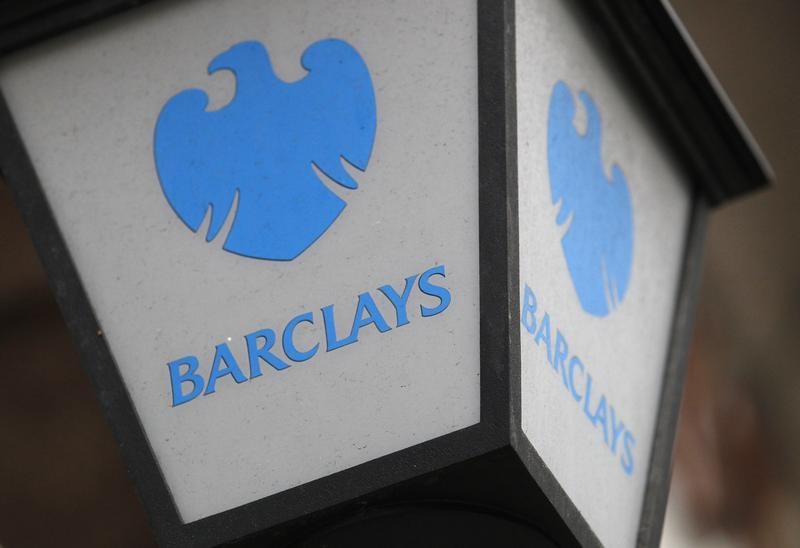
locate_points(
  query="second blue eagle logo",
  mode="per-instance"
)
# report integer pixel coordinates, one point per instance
(257, 157)
(594, 208)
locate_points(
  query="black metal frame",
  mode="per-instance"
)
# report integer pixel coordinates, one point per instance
(652, 59)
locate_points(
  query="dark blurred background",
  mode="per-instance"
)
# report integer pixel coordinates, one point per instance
(737, 468)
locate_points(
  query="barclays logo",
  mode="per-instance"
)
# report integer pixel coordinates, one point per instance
(263, 157)
(594, 209)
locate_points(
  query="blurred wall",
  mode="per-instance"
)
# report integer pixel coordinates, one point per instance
(62, 482)
(738, 452)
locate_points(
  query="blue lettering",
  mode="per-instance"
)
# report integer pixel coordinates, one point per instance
(575, 361)
(544, 335)
(367, 304)
(330, 331)
(289, 348)
(560, 357)
(627, 457)
(434, 291)
(529, 306)
(187, 383)
(601, 416)
(177, 379)
(224, 356)
(254, 353)
(578, 381)
(400, 302)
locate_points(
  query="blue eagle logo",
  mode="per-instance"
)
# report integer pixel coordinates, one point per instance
(262, 155)
(594, 209)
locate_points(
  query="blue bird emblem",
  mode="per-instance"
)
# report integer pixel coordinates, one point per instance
(257, 158)
(595, 210)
